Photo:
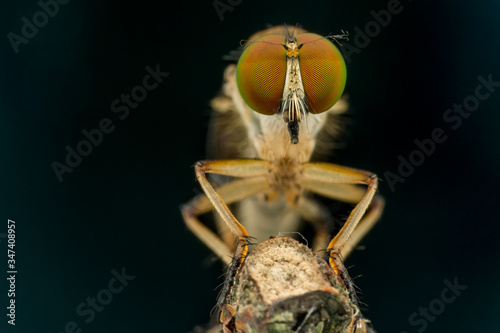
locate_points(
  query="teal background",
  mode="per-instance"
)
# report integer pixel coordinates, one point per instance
(120, 206)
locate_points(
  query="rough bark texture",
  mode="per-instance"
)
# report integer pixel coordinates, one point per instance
(284, 287)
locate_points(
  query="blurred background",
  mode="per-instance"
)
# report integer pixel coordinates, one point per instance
(117, 211)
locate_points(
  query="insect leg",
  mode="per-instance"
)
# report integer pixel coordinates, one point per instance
(230, 192)
(237, 168)
(314, 173)
(351, 194)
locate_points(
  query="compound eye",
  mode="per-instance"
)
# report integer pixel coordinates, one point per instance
(323, 71)
(261, 73)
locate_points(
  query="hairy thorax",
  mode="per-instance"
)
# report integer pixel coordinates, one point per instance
(285, 158)
(273, 211)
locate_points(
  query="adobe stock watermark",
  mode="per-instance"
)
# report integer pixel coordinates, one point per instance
(222, 6)
(120, 106)
(373, 28)
(453, 117)
(425, 315)
(87, 310)
(30, 28)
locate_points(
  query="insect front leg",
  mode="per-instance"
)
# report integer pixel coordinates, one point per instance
(339, 183)
(228, 193)
(255, 171)
(323, 178)
(351, 194)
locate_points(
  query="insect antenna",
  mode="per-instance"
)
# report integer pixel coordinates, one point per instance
(294, 28)
(336, 38)
(286, 32)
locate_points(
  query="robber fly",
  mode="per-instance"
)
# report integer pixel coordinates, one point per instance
(274, 105)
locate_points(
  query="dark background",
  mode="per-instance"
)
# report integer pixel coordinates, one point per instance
(120, 206)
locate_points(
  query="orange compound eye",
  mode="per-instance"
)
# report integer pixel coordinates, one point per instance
(261, 73)
(323, 71)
